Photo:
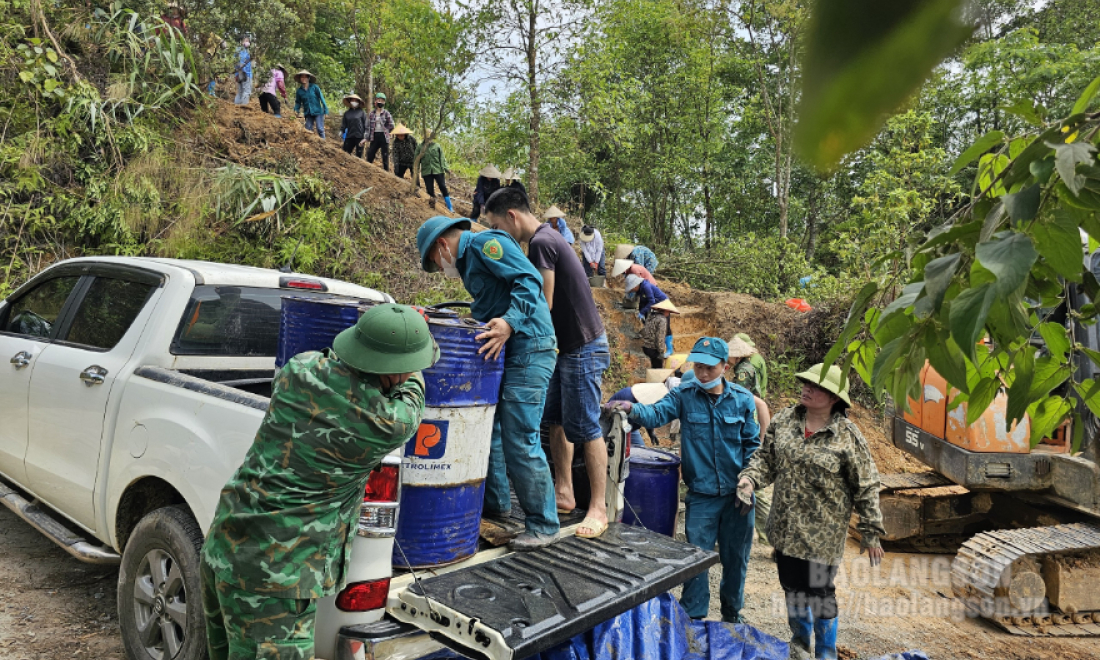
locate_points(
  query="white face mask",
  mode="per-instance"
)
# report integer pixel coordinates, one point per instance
(354, 104)
(450, 266)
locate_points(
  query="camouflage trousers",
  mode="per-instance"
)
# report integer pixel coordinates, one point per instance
(244, 625)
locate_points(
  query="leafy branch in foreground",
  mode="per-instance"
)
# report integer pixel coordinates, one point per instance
(1002, 293)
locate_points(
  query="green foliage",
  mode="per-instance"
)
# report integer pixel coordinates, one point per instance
(1000, 286)
(863, 59)
(763, 266)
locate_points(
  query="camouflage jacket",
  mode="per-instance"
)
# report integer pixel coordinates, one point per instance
(818, 482)
(284, 523)
(744, 374)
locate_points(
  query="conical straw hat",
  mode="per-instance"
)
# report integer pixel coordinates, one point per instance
(667, 304)
(490, 172)
(649, 393)
(552, 213)
(738, 348)
(623, 250)
(657, 375)
(620, 267)
(401, 129)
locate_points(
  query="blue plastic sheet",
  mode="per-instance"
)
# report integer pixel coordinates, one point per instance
(659, 629)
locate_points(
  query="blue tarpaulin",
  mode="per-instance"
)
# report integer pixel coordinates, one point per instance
(659, 629)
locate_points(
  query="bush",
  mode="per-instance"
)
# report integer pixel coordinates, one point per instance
(764, 267)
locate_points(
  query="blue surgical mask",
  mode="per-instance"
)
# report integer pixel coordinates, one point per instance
(710, 384)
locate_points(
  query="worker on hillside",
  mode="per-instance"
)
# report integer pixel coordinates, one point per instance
(488, 182)
(511, 180)
(556, 218)
(174, 16)
(276, 84)
(310, 101)
(592, 254)
(243, 72)
(645, 258)
(404, 150)
(823, 470)
(720, 432)
(572, 410)
(379, 125)
(507, 296)
(353, 125)
(648, 294)
(433, 169)
(744, 372)
(649, 394)
(657, 333)
(626, 267)
(758, 364)
(283, 528)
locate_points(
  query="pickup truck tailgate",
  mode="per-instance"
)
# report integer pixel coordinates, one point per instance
(526, 603)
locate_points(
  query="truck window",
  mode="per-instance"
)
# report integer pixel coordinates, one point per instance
(233, 321)
(35, 313)
(107, 311)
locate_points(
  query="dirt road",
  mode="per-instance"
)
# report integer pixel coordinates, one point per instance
(51, 605)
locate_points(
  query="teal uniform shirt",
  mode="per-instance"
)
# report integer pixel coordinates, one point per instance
(504, 284)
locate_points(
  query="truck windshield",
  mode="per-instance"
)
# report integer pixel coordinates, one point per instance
(233, 321)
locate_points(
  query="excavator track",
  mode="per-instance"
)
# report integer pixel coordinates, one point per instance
(998, 576)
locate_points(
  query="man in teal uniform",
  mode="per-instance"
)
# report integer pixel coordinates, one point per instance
(507, 296)
(719, 433)
(282, 531)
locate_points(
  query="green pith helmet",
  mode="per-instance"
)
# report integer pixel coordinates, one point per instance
(831, 382)
(379, 95)
(387, 339)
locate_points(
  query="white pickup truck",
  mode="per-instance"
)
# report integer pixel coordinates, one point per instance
(133, 390)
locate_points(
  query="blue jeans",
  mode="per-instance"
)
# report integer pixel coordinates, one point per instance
(713, 518)
(318, 121)
(516, 451)
(573, 400)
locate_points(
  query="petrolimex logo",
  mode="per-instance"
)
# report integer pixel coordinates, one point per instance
(430, 441)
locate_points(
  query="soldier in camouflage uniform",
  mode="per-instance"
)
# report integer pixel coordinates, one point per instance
(282, 531)
(823, 470)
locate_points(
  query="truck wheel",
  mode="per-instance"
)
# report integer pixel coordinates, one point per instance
(159, 590)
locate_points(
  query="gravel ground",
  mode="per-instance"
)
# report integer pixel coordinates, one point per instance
(52, 606)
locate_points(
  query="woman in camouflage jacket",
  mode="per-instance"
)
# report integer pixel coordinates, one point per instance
(822, 470)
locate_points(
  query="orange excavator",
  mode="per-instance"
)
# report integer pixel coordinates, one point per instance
(1023, 521)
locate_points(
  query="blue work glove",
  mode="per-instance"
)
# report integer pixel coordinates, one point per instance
(625, 406)
(668, 345)
(640, 317)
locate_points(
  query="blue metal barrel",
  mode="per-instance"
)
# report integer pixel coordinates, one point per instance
(310, 324)
(445, 463)
(653, 490)
(444, 468)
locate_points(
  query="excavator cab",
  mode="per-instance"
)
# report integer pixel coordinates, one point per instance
(1023, 519)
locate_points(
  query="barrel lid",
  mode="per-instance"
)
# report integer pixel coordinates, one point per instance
(450, 318)
(643, 456)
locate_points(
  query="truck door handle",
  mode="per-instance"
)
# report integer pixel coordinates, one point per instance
(93, 375)
(21, 359)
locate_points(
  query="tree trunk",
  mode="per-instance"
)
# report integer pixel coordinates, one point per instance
(811, 227)
(536, 107)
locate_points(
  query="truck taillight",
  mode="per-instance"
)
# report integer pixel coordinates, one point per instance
(378, 513)
(382, 485)
(364, 596)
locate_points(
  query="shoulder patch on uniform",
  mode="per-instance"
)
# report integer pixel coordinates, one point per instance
(493, 249)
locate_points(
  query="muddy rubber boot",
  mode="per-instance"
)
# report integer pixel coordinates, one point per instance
(825, 639)
(801, 629)
(531, 541)
(450, 207)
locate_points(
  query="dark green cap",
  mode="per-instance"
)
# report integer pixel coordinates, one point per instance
(387, 339)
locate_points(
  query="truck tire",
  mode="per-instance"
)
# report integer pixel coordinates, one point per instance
(159, 589)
